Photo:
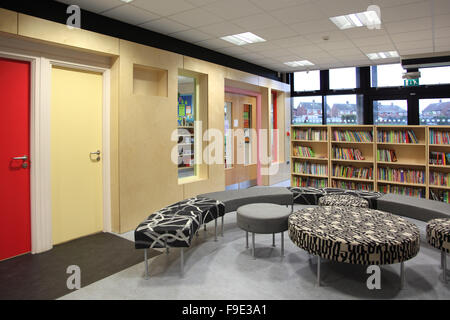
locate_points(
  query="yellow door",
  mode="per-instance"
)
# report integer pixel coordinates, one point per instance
(76, 174)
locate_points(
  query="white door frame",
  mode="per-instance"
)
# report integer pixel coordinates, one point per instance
(40, 179)
(46, 80)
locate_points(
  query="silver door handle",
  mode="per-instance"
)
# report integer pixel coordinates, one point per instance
(96, 153)
(24, 158)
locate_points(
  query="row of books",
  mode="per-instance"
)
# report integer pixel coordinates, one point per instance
(352, 172)
(406, 191)
(347, 154)
(299, 151)
(439, 137)
(440, 179)
(397, 136)
(352, 185)
(439, 158)
(440, 195)
(401, 175)
(386, 155)
(309, 182)
(311, 168)
(353, 136)
(310, 134)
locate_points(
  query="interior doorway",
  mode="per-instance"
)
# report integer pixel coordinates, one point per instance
(240, 149)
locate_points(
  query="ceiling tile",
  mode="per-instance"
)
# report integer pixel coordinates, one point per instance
(409, 25)
(97, 6)
(275, 33)
(164, 26)
(163, 7)
(261, 46)
(330, 46)
(257, 21)
(442, 21)
(441, 6)
(442, 32)
(233, 9)
(404, 52)
(270, 5)
(274, 53)
(412, 36)
(356, 33)
(341, 7)
(406, 12)
(199, 3)
(221, 29)
(377, 48)
(306, 50)
(394, 3)
(301, 13)
(130, 14)
(214, 44)
(333, 36)
(291, 42)
(372, 41)
(191, 35)
(443, 41)
(196, 18)
(414, 44)
(322, 25)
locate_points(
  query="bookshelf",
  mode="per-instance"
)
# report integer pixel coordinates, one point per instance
(356, 158)
(186, 148)
(309, 156)
(352, 157)
(439, 163)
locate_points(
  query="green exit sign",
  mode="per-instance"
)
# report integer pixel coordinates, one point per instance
(411, 82)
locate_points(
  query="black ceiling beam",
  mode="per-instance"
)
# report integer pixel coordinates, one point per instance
(426, 62)
(56, 12)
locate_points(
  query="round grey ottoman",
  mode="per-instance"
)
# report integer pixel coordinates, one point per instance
(263, 218)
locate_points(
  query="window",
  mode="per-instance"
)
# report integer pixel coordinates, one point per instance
(343, 78)
(307, 80)
(434, 112)
(186, 131)
(390, 112)
(307, 110)
(388, 75)
(437, 75)
(344, 109)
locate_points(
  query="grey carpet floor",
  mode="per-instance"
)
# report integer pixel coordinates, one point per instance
(226, 270)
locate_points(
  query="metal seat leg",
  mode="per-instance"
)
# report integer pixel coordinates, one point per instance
(246, 238)
(402, 275)
(223, 222)
(444, 266)
(318, 271)
(146, 264)
(253, 245)
(273, 239)
(215, 230)
(182, 261)
(282, 244)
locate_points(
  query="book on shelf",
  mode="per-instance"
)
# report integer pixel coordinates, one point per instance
(439, 158)
(440, 195)
(386, 155)
(352, 172)
(439, 137)
(309, 182)
(310, 134)
(310, 168)
(406, 191)
(352, 185)
(440, 179)
(305, 152)
(397, 136)
(347, 154)
(401, 175)
(352, 136)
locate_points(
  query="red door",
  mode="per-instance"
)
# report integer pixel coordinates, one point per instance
(15, 226)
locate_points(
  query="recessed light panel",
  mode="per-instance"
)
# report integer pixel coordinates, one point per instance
(243, 38)
(302, 63)
(355, 20)
(382, 55)
(126, 1)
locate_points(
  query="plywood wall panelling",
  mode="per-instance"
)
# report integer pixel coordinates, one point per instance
(45, 30)
(8, 21)
(242, 76)
(114, 148)
(148, 177)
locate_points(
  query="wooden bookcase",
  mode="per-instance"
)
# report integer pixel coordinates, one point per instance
(186, 150)
(437, 190)
(412, 157)
(310, 169)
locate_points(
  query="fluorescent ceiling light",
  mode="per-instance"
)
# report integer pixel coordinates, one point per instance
(382, 55)
(354, 20)
(243, 38)
(302, 63)
(126, 1)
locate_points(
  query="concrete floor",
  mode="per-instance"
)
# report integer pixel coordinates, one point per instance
(226, 270)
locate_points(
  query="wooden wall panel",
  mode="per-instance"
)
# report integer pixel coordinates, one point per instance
(8, 21)
(60, 34)
(114, 147)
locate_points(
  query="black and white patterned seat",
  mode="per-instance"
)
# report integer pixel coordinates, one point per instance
(343, 200)
(306, 195)
(176, 225)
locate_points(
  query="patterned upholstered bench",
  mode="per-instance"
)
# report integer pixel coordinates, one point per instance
(343, 200)
(176, 225)
(354, 235)
(438, 236)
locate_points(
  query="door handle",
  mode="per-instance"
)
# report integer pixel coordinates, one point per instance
(24, 158)
(97, 153)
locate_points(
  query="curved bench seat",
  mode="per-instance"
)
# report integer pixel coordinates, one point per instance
(412, 207)
(233, 199)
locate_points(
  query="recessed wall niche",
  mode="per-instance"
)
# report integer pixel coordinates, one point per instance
(149, 81)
